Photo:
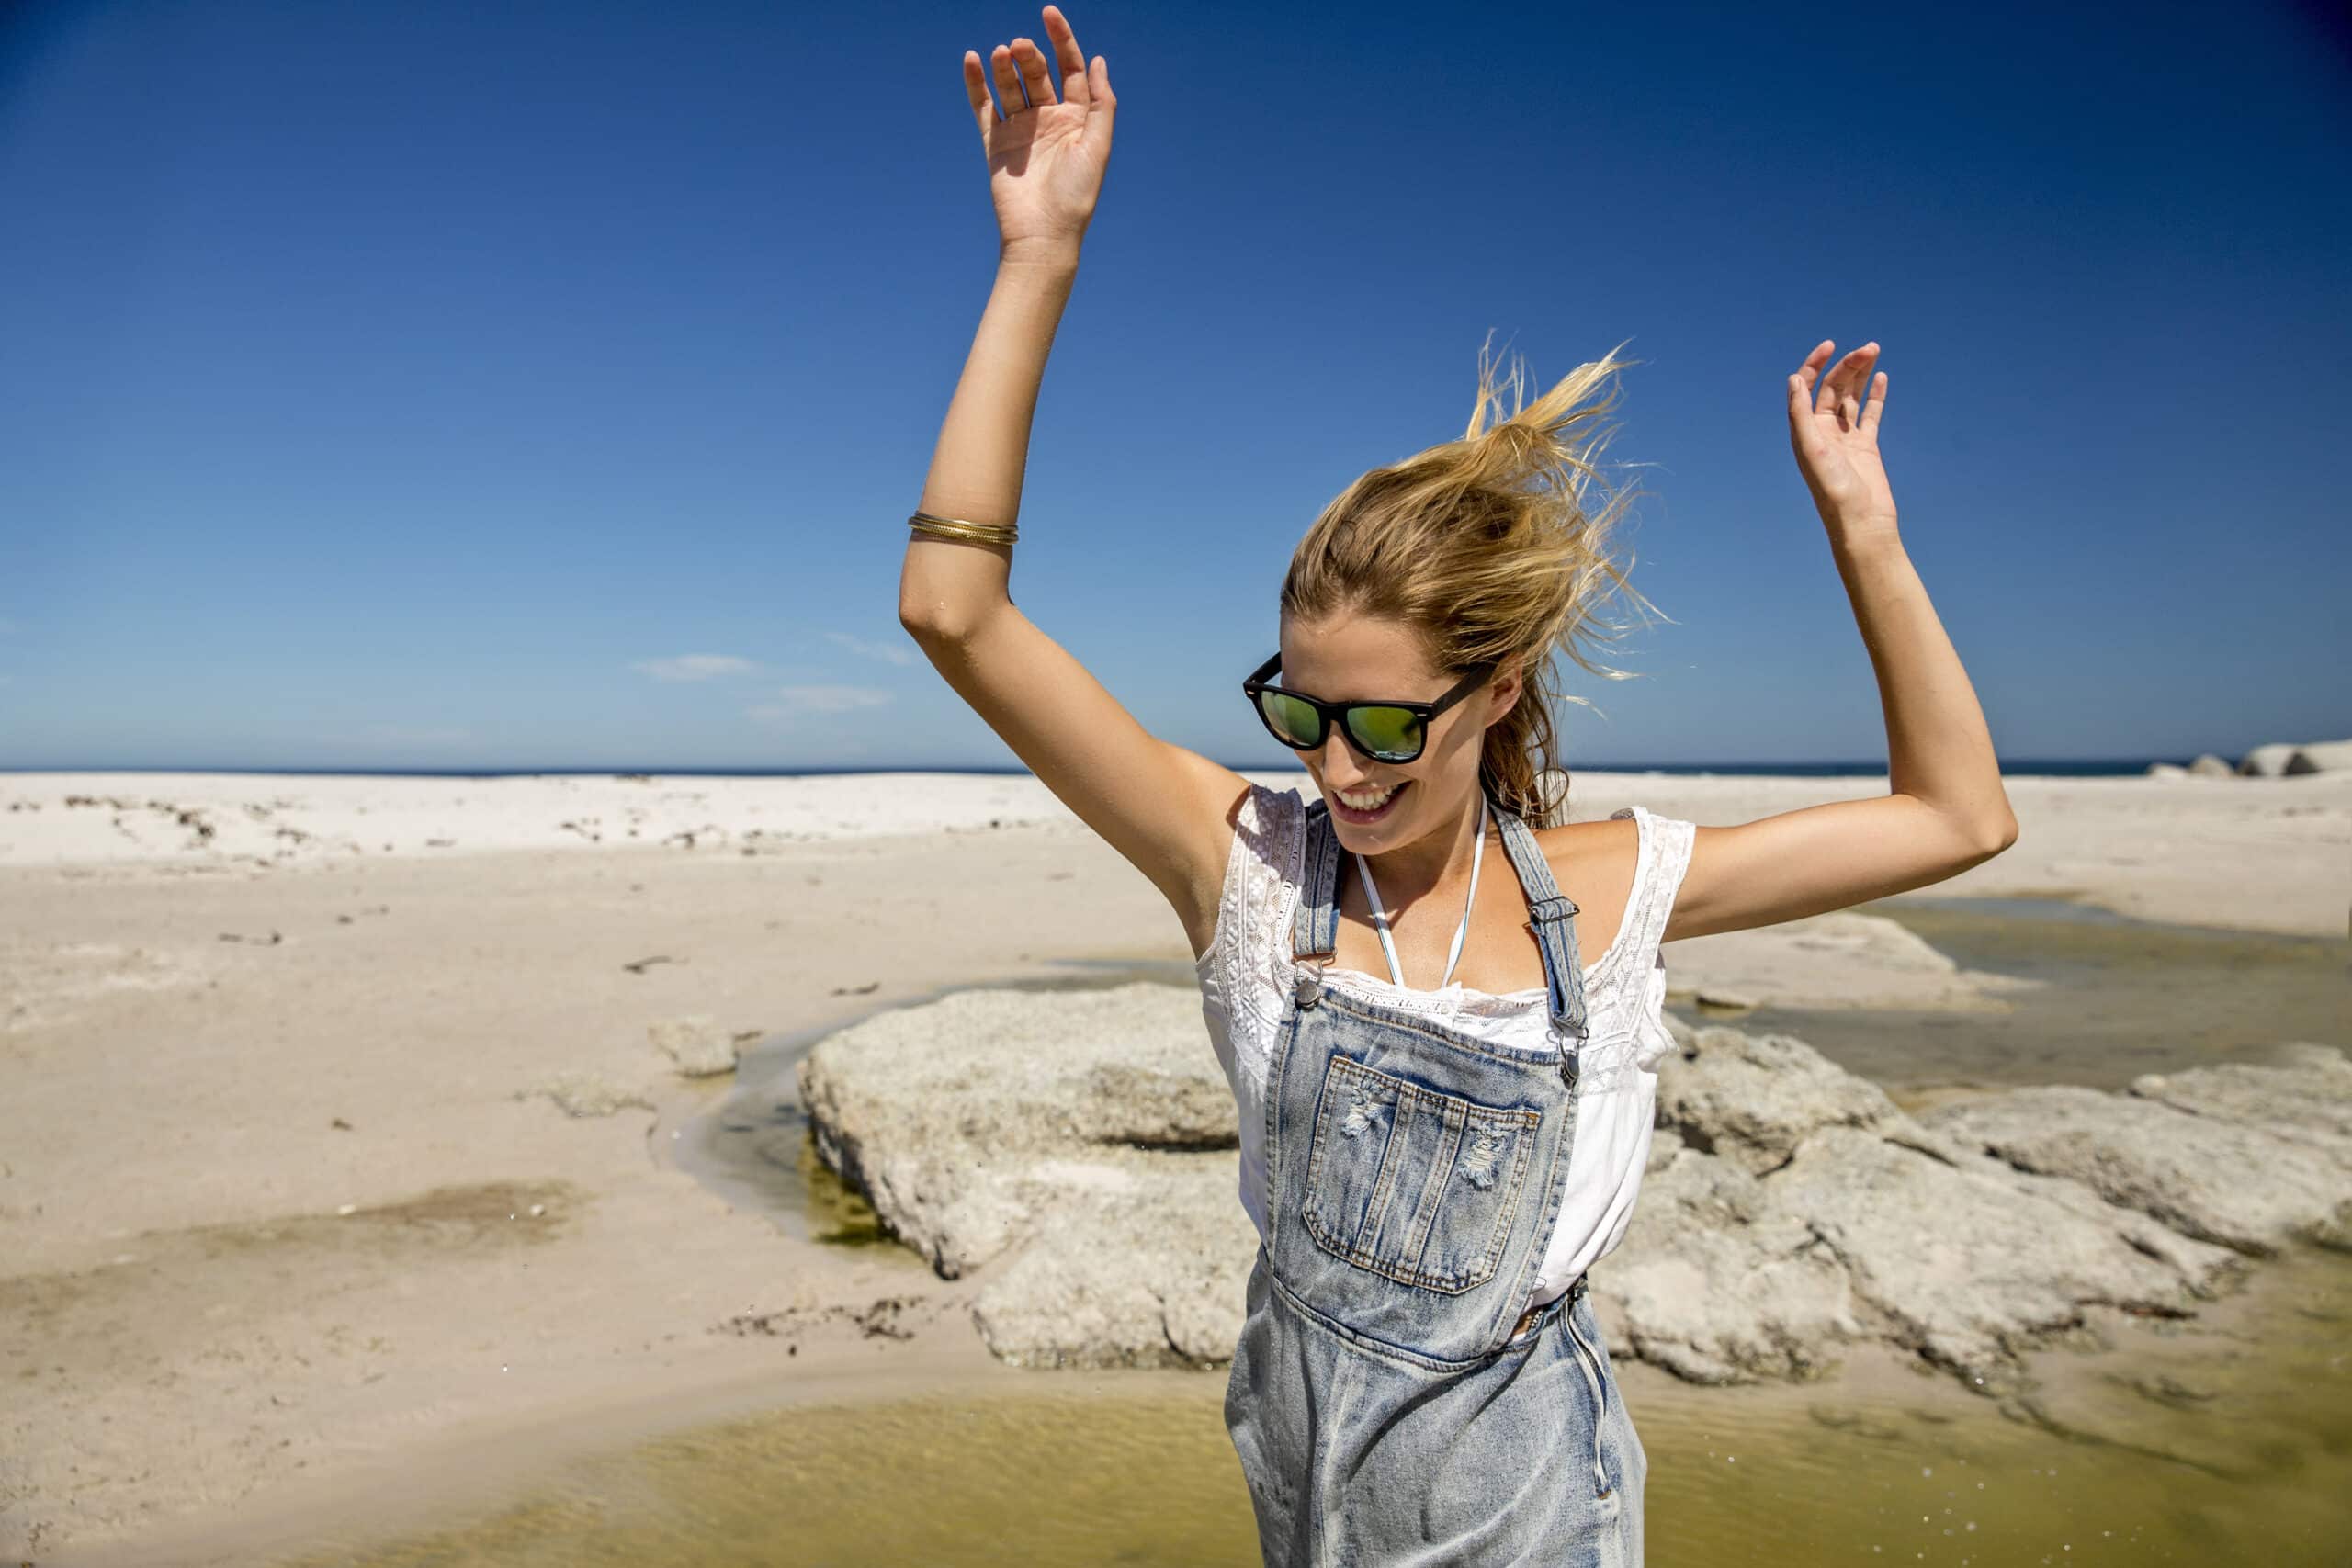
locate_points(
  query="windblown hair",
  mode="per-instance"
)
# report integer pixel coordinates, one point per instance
(1486, 548)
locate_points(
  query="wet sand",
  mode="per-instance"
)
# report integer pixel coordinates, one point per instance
(216, 1043)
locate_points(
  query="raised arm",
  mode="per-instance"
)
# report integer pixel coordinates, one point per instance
(1167, 809)
(1945, 809)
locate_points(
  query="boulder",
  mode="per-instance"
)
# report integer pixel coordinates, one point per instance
(2209, 766)
(2321, 757)
(1087, 1137)
(2227, 1181)
(1839, 960)
(2266, 762)
(2306, 1094)
(1752, 1099)
(1077, 1149)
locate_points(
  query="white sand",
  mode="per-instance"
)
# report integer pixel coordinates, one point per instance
(187, 1318)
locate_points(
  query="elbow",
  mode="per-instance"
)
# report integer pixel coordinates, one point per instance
(1995, 837)
(940, 622)
(932, 626)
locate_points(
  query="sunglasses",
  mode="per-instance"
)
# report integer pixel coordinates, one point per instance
(1381, 732)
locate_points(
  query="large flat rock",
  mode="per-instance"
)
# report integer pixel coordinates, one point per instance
(2237, 1182)
(1077, 1149)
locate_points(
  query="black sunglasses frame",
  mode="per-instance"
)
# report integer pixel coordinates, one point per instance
(1330, 714)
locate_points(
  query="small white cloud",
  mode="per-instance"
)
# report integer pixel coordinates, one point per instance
(796, 700)
(888, 652)
(694, 667)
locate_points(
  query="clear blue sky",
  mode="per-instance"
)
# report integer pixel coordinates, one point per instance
(492, 385)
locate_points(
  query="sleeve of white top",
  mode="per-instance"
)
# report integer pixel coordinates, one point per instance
(1669, 859)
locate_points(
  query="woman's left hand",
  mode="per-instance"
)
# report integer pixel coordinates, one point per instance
(1836, 438)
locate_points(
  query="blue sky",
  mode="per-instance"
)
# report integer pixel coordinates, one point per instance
(536, 385)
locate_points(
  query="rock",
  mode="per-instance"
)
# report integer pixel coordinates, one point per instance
(1716, 1284)
(2321, 757)
(2306, 1096)
(1753, 1098)
(1841, 960)
(2209, 766)
(1968, 1264)
(1717, 998)
(2225, 1181)
(2266, 762)
(1087, 1137)
(1076, 1151)
(696, 1043)
(2166, 770)
(1179, 1248)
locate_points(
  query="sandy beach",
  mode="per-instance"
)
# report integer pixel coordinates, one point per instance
(287, 1207)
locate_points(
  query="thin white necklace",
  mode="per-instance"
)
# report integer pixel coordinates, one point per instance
(1460, 932)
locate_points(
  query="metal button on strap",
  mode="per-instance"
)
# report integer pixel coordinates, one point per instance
(1306, 989)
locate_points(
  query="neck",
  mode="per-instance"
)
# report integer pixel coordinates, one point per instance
(1439, 859)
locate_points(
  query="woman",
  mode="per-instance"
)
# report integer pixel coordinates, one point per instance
(1420, 1377)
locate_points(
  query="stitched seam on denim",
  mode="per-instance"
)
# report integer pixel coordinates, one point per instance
(1435, 1188)
(1427, 1029)
(1368, 1344)
(1588, 1363)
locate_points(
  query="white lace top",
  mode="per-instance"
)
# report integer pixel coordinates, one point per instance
(1245, 989)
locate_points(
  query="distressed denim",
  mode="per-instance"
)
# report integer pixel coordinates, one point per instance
(1390, 1400)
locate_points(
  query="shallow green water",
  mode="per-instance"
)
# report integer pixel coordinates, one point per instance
(2121, 998)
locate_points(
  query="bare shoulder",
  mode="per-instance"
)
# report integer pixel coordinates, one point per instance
(1594, 863)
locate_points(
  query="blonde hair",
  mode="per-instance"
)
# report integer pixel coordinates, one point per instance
(1484, 546)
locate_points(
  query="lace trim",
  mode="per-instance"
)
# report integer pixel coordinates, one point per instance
(1250, 953)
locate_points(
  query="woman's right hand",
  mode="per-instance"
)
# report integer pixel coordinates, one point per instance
(1046, 154)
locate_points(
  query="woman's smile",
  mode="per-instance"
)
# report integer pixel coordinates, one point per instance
(1381, 802)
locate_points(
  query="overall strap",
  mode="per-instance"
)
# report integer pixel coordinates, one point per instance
(1553, 922)
(1316, 929)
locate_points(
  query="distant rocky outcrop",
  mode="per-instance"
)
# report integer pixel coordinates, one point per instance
(1075, 1149)
(2278, 759)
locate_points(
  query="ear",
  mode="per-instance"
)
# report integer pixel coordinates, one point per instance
(1503, 690)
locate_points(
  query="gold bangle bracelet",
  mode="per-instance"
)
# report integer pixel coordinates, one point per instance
(961, 528)
(924, 529)
(964, 523)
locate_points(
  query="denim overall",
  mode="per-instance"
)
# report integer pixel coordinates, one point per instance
(1395, 1398)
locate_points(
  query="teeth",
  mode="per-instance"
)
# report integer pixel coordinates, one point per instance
(1368, 802)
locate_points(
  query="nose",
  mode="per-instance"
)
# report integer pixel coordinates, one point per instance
(1341, 767)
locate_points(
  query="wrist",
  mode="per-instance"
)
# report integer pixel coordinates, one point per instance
(1862, 534)
(1045, 255)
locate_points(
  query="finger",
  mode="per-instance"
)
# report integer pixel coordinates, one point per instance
(1855, 378)
(1068, 56)
(1036, 74)
(1008, 81)
(1877, 409)
(1813, 362)
(1838, 387)
(1103, 108)
(976, 87)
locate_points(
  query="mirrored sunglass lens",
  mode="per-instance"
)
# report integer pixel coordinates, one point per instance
(1393, 734)
(1296, 723)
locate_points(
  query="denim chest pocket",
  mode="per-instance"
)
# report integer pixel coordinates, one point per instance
(1410, 1183)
